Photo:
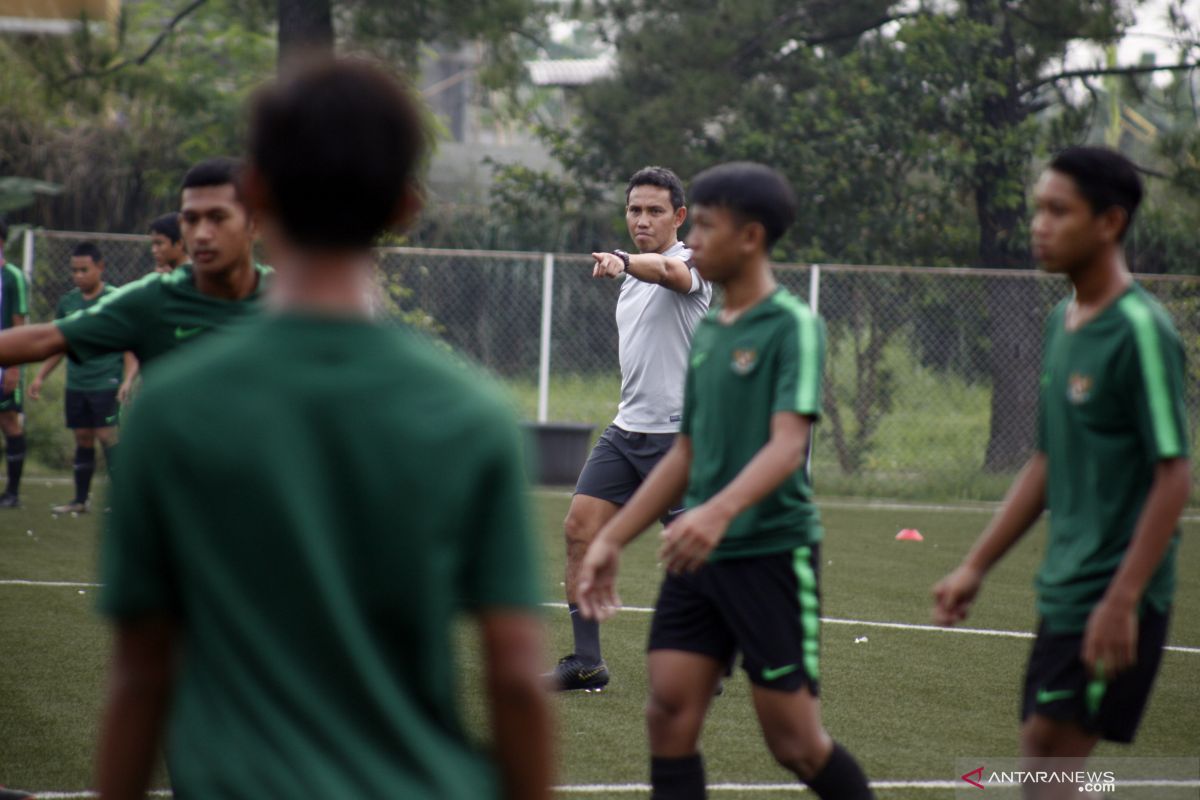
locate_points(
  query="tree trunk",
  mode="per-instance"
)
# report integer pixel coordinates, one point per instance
(305, 26)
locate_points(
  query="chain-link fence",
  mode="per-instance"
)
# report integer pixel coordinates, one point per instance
(931, 379)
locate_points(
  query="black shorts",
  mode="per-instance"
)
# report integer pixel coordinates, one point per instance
(768, 607)
(12, 401)
(1057, 684)
(619, 463)
(91, 409)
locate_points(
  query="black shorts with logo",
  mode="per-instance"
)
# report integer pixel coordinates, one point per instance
(91, 409)
(11, 401)
(767, 607)
(619, 463)
(1058, 686)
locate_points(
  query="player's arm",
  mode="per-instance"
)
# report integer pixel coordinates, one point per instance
(520, 711)
(661, 491)
(1024, 503)
(673, 273)
(139, 689)
(693, 536)
(131, 368)
(30, 343)
(1110, 641)
(48, 366)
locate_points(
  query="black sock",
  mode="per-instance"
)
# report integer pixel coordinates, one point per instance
(841, 778)
(587, 636)
(15, 455)
(677, 778)
(85, 467)
(110, 452)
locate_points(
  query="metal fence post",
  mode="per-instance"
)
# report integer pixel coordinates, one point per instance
(27, 262)
(544, 354)
(814, 288)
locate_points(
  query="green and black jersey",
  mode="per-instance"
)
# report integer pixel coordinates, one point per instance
(316, 561)
(14, 299)
(768, 360)
(1111, 406)
(153, 315)
(99, 374)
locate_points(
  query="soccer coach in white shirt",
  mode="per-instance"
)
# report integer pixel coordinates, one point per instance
(662, 298)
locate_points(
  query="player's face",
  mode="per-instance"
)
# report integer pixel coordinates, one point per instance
(216, 228)
(85, 273)
(653, 223)
(1067, 234)
(167, 254)
(718, 242)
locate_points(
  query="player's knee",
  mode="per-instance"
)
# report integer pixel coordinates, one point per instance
(802, 757)
(578, 530)
(1037, 741)
(663, 712)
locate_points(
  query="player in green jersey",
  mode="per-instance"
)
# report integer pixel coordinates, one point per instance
(284, 580)
(1111, 466)
(14, 313)
(93, 386)
(743, 559)
(158, 313)
(166, 243)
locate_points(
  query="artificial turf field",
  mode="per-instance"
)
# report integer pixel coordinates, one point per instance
(908, 702)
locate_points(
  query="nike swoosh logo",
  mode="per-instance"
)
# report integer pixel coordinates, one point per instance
(109, 420)
(186, 333)
(777, 673)
(589, 674)
(698, 359)
(1047, 696)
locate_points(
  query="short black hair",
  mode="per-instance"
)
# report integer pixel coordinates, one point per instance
(754, 192)
(338, 143)
(1104, 177)
(217, 171)
(168, 226)
(87, 250)
(661, 177)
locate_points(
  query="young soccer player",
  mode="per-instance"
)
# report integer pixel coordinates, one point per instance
(1111, 465)
(14, 312)
(166, 243)
(662, 298)
(90, 403)
(742, 562)
(284, 579)
(158, 313)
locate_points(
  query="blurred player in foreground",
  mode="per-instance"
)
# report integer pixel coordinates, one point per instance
(742, 561)
(307, 502)
(1111, 466)
(91, 403)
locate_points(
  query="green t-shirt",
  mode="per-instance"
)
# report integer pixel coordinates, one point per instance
(768, 360)
(316, 501)
(1111, 406)
(14, 299)
(102, 373)
(153, 315)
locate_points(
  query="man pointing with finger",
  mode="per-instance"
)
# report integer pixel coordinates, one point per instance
(662, 298)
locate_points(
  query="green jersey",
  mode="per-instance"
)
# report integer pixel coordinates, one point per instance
(1111, 406)
(153, 315)
(768, 360)
(14, 299)
(102, 373)
(315, 501)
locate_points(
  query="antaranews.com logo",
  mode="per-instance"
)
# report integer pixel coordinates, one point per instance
(1166, 778)
(1086, 780)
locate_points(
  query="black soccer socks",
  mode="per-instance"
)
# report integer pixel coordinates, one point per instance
(85, 467)
(15, 456)
(841, 778)
(677, 778)
(587, 636)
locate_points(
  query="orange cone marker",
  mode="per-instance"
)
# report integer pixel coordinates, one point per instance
(909, 535)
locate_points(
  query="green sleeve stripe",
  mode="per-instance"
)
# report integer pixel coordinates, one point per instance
(810, 610)
(808, 379)
(22, 306)
(1167, 435)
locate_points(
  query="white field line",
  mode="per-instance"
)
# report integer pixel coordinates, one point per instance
(903, 626)
(630, 788)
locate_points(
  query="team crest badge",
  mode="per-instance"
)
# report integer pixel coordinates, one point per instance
(1079, 388)
(744, 361)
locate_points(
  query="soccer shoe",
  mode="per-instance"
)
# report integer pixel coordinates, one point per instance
(9, 500)
(572, 675)
(14, 794)
(73, 507)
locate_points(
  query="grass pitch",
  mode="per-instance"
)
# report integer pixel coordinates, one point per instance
(907, 701)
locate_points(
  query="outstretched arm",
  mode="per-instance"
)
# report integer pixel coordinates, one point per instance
(673, 273)
(30, 343)
(1022, 506)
